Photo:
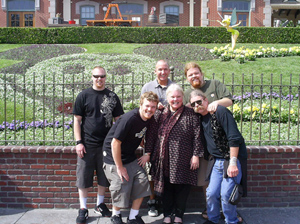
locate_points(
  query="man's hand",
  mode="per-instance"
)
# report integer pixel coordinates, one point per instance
(80, 150)
(212, 107)
(194, 163)
(122, 172)
(232, 171)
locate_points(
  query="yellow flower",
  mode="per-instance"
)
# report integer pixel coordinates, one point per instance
(264, 105)
(292, 111)
(236, 108)
(254, 108)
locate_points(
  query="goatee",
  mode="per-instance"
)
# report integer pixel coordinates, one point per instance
(196, 84)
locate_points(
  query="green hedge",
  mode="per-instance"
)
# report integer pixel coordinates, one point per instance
(75, 35)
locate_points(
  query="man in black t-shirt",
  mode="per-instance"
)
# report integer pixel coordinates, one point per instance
(94, 111)
(228, 158)
(127, 177)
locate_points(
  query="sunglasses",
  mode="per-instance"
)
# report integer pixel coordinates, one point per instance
(99, 76)
(199, 102)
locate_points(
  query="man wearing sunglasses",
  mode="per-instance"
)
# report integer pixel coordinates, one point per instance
(216, 94)
(94, 111)
(228, 158)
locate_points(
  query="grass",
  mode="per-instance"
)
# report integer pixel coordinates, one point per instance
(110, 48)
(5, 47)
(17, 113)
(266, 66)
(6, 62)
(249, 45)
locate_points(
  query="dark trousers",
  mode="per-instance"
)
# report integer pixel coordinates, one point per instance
(174, 198)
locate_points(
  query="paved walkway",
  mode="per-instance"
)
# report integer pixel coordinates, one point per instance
(68, 216)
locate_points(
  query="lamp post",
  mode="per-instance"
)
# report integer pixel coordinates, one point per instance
(104, 10)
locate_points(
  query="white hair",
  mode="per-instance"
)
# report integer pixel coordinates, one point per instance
(174, 87)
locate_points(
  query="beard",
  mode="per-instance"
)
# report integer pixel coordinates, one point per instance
(196, 83)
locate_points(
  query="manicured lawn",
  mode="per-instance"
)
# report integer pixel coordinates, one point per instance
(266, 66)
(5, 47)
(139, 59)
(6, 62)
(115, 48)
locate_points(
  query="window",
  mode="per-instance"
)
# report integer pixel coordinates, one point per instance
(239, 5)
(243, 18)
(28, 20)
(173, 10)
(130, 9)
(15, 20)
(133, 12)
(24, 5)
(21, 19)
(242, 10)
(86, 13)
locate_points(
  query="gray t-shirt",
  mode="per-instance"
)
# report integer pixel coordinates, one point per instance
(213, 90)
(155, 87)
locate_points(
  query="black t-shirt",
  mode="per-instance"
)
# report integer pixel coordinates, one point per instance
(130, 130)
(226, 120)
(97, 109)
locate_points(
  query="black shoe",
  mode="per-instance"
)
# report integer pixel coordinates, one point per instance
(137, 220)
(152, 208)
(102, 210)
(116, 219)
(83, 215)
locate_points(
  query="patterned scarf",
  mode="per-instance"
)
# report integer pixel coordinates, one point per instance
(166, 121)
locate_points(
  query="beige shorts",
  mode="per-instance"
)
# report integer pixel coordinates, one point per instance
(122, 192)
(202, 172)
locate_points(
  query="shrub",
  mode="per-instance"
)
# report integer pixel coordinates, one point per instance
(74, 35)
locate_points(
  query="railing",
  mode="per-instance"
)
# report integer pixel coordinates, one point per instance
(38, 111)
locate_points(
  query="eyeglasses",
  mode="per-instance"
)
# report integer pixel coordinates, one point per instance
(99, 76)
(199, 102)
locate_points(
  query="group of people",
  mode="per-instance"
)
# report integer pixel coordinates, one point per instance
(182, 134)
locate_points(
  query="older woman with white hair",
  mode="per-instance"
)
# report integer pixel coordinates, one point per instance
(174, 143)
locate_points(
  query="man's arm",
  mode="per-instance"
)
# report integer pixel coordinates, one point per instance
(226, 102)
(80, 149)
(116, 153)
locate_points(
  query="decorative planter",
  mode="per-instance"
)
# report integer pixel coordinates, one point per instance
(72, 22)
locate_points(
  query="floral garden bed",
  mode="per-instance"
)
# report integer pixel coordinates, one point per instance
(53, 76)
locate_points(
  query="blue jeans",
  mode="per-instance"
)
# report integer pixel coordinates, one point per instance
(219, 190)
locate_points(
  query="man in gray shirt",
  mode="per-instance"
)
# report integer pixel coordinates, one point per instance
(158, 86)
(161, 83)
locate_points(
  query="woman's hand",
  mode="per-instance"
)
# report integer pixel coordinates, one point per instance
(195, 162)
(143, 160)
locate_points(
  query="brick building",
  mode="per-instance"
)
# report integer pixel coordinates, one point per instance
(42, 13)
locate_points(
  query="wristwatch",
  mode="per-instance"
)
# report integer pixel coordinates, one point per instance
(79, 142)
(147, 154)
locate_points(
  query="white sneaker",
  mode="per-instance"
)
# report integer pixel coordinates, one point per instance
(152, 208)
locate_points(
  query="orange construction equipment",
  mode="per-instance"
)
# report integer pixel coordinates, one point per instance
(112, 22)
